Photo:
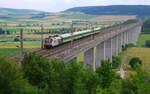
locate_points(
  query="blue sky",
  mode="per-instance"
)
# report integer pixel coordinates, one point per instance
(60, 5)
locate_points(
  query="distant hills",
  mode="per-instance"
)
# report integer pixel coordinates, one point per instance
(141, 11)
(10, 11)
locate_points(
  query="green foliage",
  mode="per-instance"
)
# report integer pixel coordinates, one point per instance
(106, 73)
(138, 10)
(39, 75)
(135, 61)
(146, 26)
(39, 71)
(11, 79)
(116, 61)
(130, 21)
(148, 43)
(124, 48)
(142, 40)
(137, 84)
(16, 39)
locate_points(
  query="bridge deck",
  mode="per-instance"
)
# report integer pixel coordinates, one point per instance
(70, 50)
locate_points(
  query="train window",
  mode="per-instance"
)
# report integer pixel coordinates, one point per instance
(51, 40)
(46, 40)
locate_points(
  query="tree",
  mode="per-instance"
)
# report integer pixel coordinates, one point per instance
(116, 61)
(11, 79)
(146, 26)
(74, 82)
(91, 81)
(134, 61)
(138, 83)
(106, 73)
(16, 39)
(148, 43)
(39, 71)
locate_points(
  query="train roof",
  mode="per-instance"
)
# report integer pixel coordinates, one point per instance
(76, 33)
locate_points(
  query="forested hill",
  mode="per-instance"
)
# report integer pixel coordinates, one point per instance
(141, 11)
(4, 11)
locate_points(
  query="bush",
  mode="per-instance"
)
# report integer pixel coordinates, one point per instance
(124, 48)
(135, 61)
(147, 43)
(116, 61)
(16, 39)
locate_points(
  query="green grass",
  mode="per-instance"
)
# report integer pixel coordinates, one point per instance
(142, 39)
(27, 44)
(6, 38)
(143, 54)
(9, 52)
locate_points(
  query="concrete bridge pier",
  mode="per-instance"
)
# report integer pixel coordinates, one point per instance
(125, 40)
(114, 46)
(120, 42)
(122, 38)
(76, 59)
(100, 53)
(130, 37)
(117, 44)
(127, 37)
(89, 59)
(138, 30)
(136, 34)
(108, 49)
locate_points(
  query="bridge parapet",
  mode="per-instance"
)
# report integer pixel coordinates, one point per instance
(105, 41)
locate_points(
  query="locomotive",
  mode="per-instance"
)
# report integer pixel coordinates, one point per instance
(61, 39)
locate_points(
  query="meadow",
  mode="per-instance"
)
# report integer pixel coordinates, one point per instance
(10, 52)
(142, 39)
(143, 54)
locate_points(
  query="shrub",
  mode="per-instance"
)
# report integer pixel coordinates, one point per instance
(16, 39)
(135, 61)
(147, 43)
(116, 61)
(124, 48)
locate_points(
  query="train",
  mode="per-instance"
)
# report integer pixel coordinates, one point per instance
(53, 41)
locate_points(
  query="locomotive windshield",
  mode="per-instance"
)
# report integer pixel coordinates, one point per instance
(51, 40)
(46, 40)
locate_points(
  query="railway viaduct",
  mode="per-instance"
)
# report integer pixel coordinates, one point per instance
(103, 45)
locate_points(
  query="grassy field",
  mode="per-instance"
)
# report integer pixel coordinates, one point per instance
(9, 52)
(31, 44)
(142, 39)
(143, 54)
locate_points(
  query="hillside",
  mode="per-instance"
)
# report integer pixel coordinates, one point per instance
(140, 11)
(6, 11)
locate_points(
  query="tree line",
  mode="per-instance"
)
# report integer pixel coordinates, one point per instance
(38, 75)
(146, 26)
(4, 32)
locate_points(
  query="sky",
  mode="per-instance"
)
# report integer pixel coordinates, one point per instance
(60, 5)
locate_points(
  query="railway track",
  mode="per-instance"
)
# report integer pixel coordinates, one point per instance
(66, 50)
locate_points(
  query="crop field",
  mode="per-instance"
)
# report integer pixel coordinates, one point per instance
(55, 24)
(142, 39)
(143, 54)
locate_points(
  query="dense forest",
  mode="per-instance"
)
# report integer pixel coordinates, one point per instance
(141, 11)
(146, 26)
(38, 75)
